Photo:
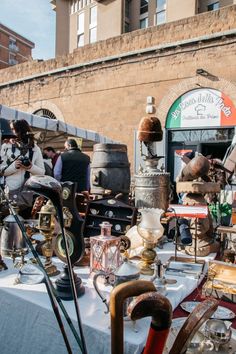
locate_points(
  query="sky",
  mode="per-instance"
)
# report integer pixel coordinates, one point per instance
(33, 19)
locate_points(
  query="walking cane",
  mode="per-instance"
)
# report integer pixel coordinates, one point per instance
(118, 295)
(159, 308)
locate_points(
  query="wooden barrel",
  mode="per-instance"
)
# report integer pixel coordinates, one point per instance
(110, 169)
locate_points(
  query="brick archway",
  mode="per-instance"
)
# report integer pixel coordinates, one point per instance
(225, 86)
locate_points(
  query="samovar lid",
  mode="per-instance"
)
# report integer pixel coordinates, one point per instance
(216, 326)
(127, 269)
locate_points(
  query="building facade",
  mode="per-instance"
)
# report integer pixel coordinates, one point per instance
(14, 49)
(183, 72)
(81, 22)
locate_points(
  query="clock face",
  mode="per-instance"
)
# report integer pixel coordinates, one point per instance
(60, 246)
(65, 193)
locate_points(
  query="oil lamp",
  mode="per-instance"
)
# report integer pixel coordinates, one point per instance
(46, 227)
(104, 250)
(151, 231)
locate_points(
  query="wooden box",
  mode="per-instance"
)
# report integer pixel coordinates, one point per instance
(221, 281)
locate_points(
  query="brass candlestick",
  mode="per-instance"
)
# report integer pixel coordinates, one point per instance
(46, 228)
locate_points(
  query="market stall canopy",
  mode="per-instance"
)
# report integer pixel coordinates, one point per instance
(53, 132)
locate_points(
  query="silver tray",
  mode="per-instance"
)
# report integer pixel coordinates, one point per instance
(222, 313)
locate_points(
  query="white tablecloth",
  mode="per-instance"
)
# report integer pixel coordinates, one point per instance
(28, 325)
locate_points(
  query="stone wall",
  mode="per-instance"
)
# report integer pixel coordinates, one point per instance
(200, 25)
(110, 97)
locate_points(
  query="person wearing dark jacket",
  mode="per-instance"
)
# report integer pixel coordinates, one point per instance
(73, 165)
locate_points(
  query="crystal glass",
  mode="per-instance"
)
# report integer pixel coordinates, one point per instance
(104, 250)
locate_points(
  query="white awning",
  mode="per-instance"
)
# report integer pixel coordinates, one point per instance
(54, 132)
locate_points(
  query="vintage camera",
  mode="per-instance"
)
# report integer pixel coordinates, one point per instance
(25, 161)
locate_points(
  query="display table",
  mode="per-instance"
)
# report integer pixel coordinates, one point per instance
(28, 324)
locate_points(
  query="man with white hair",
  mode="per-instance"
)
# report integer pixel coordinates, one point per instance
(73, 165)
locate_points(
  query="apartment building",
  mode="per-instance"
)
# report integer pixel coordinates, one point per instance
(81, 22)
(14, 48)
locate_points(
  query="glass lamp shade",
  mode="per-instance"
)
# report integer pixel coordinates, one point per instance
(150, 227)
(104, 250)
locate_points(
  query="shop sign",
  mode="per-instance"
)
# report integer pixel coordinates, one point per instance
(202, 108)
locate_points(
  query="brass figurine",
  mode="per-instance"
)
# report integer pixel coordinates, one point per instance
(46, 228)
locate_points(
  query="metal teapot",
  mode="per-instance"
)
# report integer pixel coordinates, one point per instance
(126, 272)
(218, 331)
(199, 344)
(11, 236)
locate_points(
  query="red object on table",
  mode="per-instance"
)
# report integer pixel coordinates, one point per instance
(156, 341)
(188, 211)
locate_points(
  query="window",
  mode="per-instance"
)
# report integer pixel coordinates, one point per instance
(214, 6)
(76, 6)
(72, 6)
(160, 12)
(93, 35)
(93, 16)
(80, 29)
(12, 41)
(144, 23)
(127, 8)
(12, 45)
(93, 25)
(80, 42)
(160, 17)
(12, 59)
(80, 4)
(161, 5)
(127, 29)
(143, 7)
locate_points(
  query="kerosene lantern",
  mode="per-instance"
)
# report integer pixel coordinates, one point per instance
(104, 250)
(46, 227)
(151, 231)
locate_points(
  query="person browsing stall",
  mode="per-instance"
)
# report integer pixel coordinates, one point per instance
(21, 158)
(51, 153)
(73, 165)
